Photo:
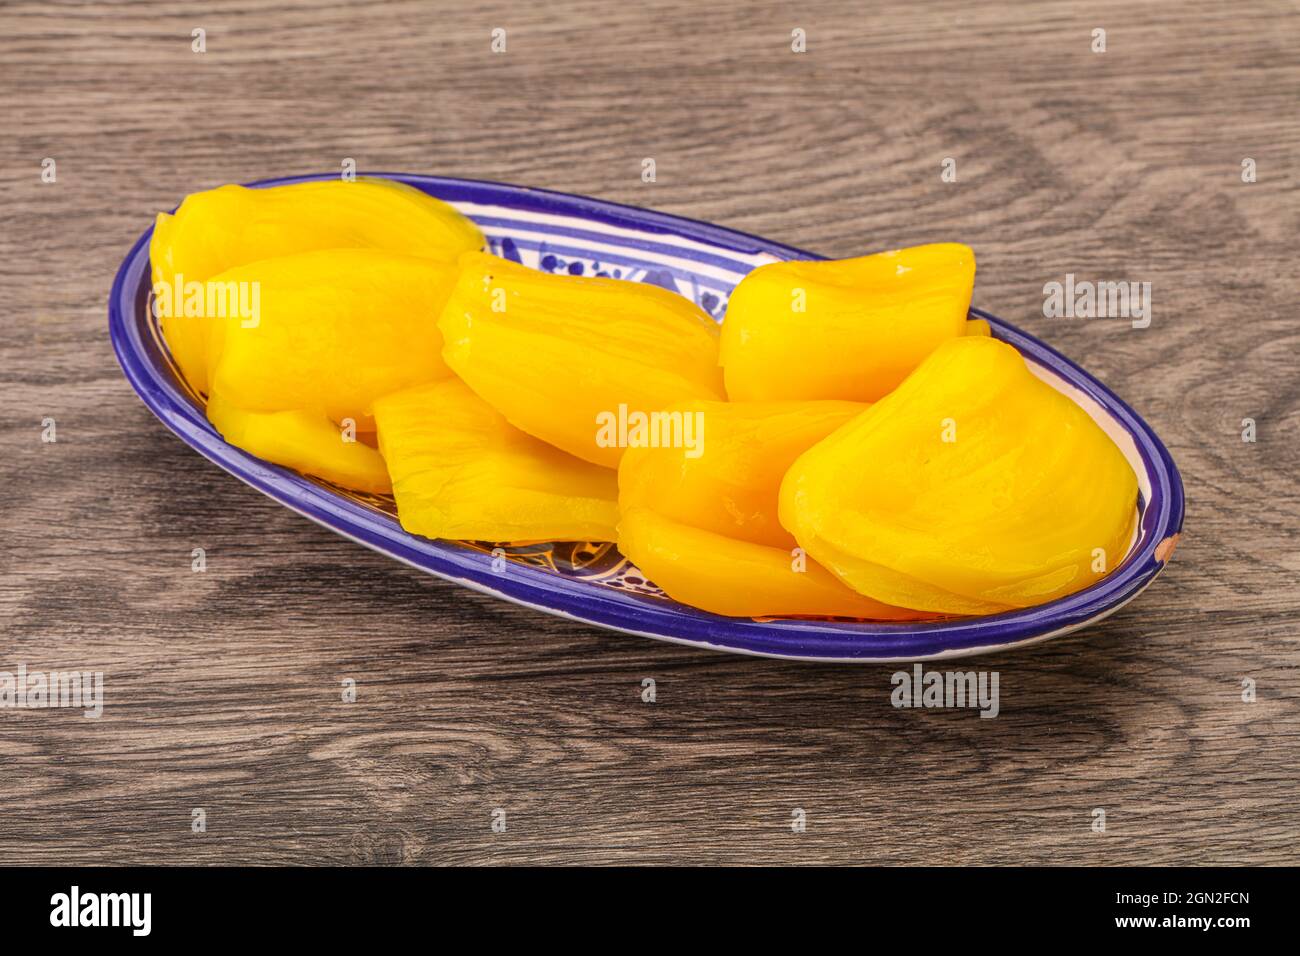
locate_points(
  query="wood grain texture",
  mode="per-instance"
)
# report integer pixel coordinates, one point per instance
(223, 688)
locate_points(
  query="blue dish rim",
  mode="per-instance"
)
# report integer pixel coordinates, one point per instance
(1162, 517)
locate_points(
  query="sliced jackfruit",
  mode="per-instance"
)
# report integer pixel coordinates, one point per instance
(333, 330)
(570, 359)
(843, 329)
(221, 228)
(701, 520)
(974, 487)
(306, 441)
(460, 470)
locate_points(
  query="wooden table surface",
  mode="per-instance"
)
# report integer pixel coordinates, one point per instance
(223, 688)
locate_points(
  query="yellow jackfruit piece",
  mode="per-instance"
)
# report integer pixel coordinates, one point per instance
(461, 471)
(974, 487)
(701, 520)
(572, 359)
(848, 328)
(333, 330)
(306, 441)
(734, 577)
(221, 228)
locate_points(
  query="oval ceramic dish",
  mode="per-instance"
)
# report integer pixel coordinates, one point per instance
(593, 582)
